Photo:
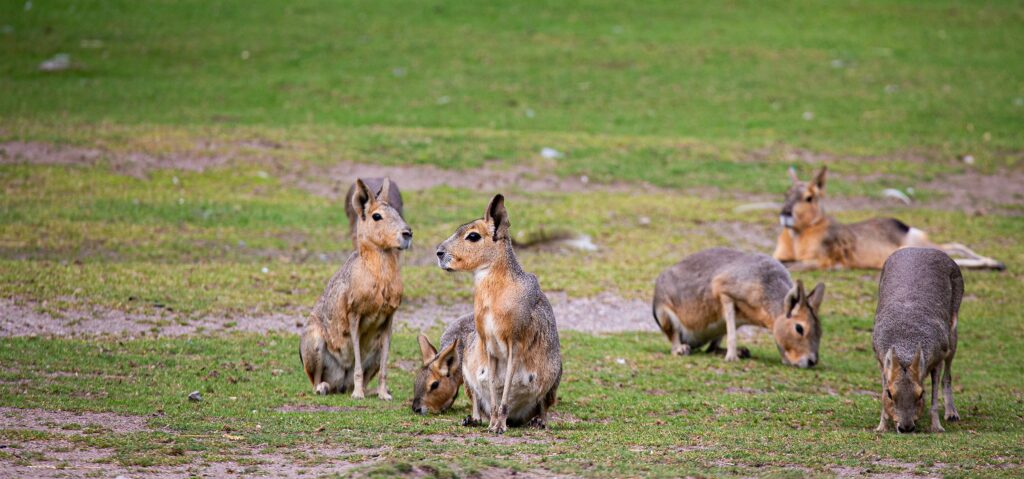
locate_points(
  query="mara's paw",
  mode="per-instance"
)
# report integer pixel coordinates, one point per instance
(498, 429)
(383, 394)
(936, 427)
(358, 394)
(538, 423)
(882, 427)
(322, 388)
(952, 416)
(681, 350)
(731, 357)
(469, 421)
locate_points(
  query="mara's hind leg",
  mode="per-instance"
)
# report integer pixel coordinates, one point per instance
(311, 351)
(669, 323)
(729, 314)
(970, 259)
(947, 378)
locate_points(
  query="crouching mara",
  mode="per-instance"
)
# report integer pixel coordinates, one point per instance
(915, 334)
(709, 294)
(347, 336)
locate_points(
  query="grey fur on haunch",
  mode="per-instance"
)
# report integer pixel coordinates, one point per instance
(915, 331)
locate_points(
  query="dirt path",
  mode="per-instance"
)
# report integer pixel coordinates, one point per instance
(605, 313)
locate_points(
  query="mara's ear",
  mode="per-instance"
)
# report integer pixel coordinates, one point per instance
(426, 350)
(497, 217)
(447, 358)
(792, 174)
(360, 198)
(890, 372)
(817, 295)
(819, 179)
(917, 366)
(794, 298)
(385, 189)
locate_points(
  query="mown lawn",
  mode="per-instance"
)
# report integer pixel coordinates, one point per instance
(684, 111)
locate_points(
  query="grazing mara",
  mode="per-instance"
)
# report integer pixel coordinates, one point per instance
(811, 239)
(915, 334)
(516, 356)
(709, 294)
(348, 334)
(439, 379)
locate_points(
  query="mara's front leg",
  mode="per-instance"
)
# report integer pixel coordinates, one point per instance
(883, 423)
(784, 247)
(357, 368)
(501, 426)
(382, 386)
(729, 314)
(492, 384)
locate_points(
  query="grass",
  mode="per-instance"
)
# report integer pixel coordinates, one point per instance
(688, 110)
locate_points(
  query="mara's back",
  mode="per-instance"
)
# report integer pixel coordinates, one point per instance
(918, 295)
(689, 282)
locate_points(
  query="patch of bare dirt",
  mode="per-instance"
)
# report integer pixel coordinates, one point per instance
(134, 164)
(64, 459)
(504, 439)
(333, 181)
(69, 423)
(975, 193)
(604, 313)
(27, 319)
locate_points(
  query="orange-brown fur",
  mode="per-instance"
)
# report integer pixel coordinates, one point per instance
(517, 342)
(811, 239)
(348, 335)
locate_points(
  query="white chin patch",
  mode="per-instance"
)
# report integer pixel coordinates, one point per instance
(786, 221)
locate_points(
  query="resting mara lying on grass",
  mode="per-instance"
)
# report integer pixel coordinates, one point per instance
(348, 334)
(710, 293)
(439, 379)
(810, 239)
(517, 352)
(919, 297)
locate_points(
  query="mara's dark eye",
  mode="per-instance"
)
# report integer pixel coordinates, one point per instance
(434, 385)
(377, 217)
(800, 329)
(888, 394)
(808, 199)
(473, 237)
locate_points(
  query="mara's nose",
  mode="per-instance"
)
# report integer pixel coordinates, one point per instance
(905, 428)
(407, 233)
(811, 361)
(440, 254)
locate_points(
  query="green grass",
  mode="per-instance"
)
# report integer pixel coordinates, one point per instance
(877, 76)
(692, 108)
